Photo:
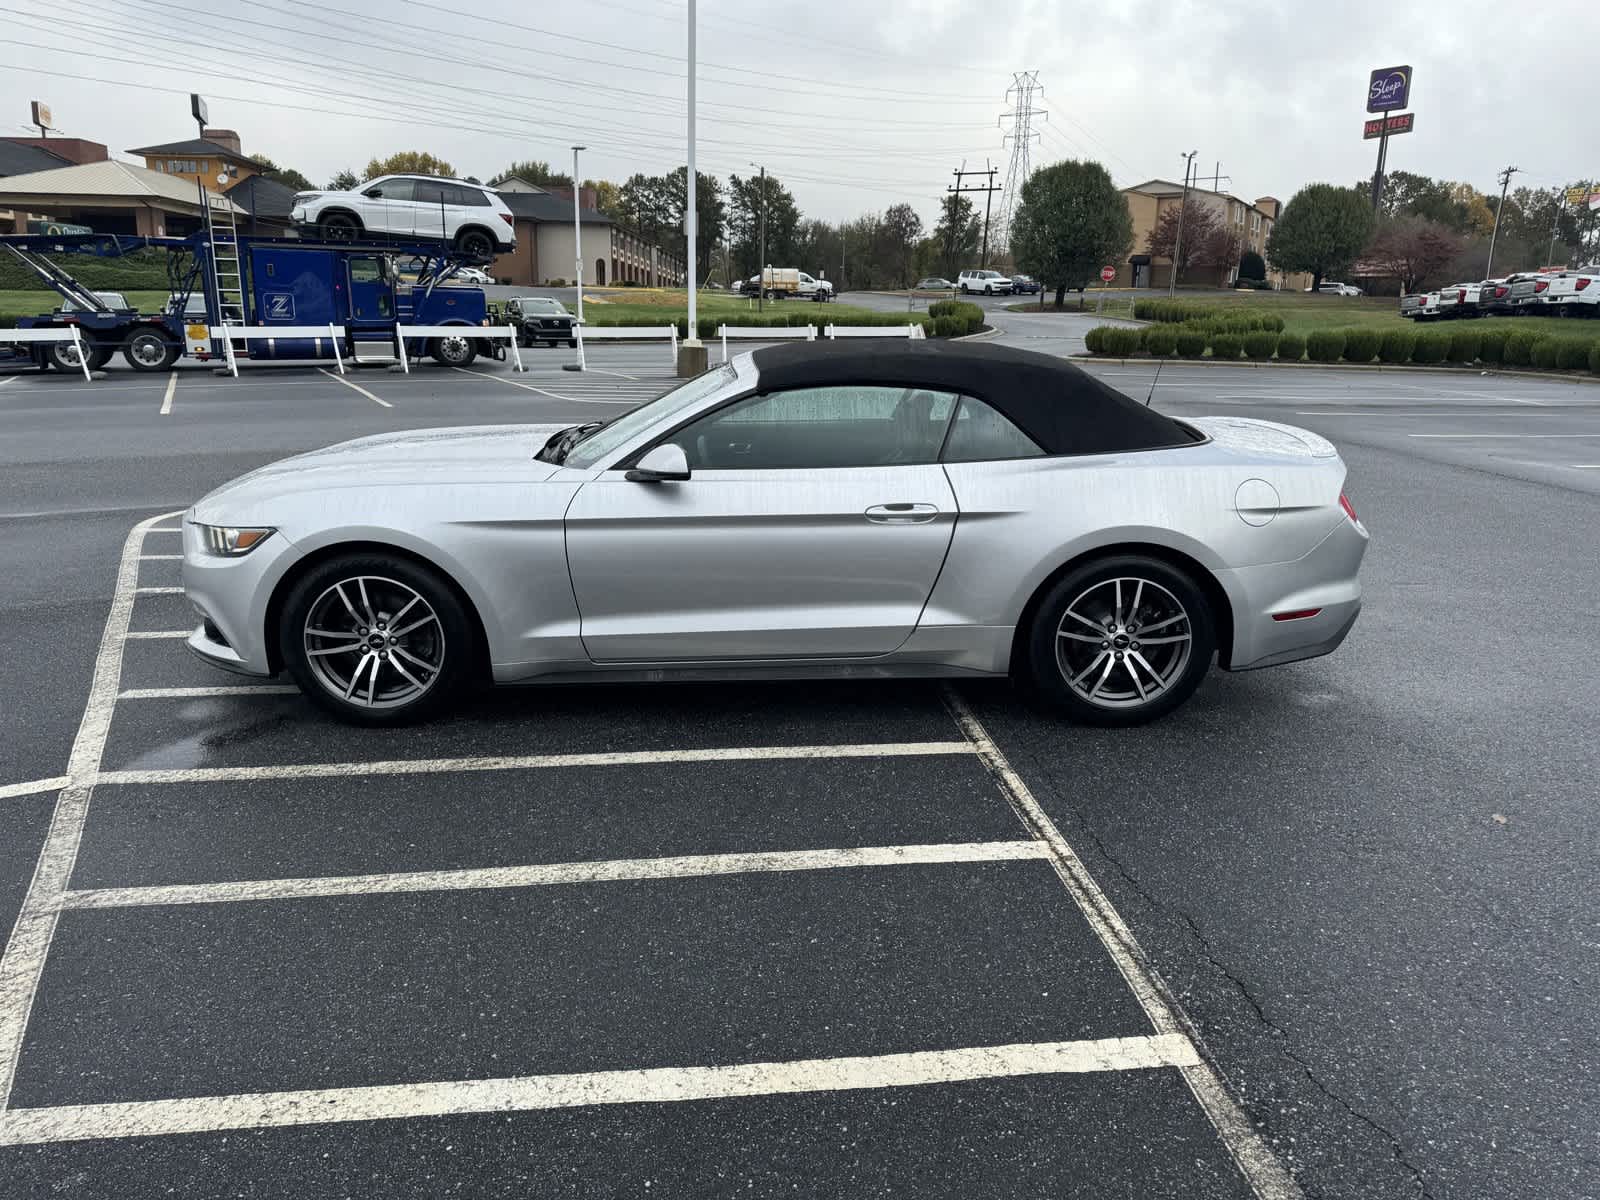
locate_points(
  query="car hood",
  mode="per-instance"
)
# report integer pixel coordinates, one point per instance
(420, 457)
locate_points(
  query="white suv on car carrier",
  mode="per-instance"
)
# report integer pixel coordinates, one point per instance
(474, 219)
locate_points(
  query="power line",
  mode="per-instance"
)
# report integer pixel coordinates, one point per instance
(1027, 87)
(988, 196)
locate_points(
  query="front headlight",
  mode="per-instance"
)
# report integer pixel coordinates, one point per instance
(227, 542)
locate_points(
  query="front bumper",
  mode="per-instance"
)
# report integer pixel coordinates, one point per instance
(1326, 579)
(229, 596)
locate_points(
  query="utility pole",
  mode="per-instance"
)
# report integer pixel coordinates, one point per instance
(1555, 228)
(1505, 182)
(692, 354)
(1217, 178)
(577, 240)
(1022, 136)
(761, 251)
(989, 190)
(1177, 241)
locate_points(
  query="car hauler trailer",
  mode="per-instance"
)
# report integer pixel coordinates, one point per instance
(221, 280)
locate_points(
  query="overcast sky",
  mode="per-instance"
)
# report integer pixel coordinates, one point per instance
(854, 105)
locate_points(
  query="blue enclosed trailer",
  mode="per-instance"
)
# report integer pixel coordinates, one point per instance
(220, 278)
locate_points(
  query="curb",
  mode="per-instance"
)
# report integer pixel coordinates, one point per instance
(1392, 368)
(987, 333)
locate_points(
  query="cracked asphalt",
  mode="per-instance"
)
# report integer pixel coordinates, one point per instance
(1369, 879)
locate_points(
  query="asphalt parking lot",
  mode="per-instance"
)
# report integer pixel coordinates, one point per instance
(1328, 930)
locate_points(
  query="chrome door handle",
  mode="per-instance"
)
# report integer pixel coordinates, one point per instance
(902, 514)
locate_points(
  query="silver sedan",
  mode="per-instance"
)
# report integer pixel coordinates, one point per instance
(802, 512)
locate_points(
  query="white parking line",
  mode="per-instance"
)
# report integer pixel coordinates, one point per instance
(161, 557)
(1503, 435)
(23, 961)
(550, 874)
(160, 591)
(33, 787)
(553, 395)
(355, 387)
(7, 379)
(523, 762)
(1260, 1167)
(262, 1110)
(188, 693)
(166, 400)
(158, 634)
(165, 529)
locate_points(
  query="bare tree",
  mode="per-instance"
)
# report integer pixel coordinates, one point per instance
(1208, 240)
(1411, 249)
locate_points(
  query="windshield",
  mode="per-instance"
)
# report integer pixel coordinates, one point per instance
(628, 426)
(542, 304)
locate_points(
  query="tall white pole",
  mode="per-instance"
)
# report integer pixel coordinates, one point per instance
(577, 241)
(691, 182)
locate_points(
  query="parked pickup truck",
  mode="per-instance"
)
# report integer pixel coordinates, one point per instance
(1460, 300)
(1575, 293)
(1420, 306)
(1527, 293)
(778, 283)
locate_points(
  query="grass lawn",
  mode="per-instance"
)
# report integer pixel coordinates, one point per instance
(34, 303)
(671, 303)
(1302, 312)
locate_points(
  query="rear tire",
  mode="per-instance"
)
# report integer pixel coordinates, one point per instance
(453, 351)
(416, 651)
(63, 356)
(475, 243)
(1145, 663)
(149, 351)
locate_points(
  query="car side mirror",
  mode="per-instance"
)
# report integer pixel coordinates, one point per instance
(666, 462)
(375, 194)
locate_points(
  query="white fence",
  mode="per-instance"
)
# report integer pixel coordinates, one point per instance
(622, 333)
(914, 332)
(270, 333)
(69, 334)
(756, 333)
(492, 332)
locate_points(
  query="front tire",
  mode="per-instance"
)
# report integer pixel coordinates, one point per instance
(376, 639)
(475, 243)
(1121, 641)
(453, 351)
(339, 227)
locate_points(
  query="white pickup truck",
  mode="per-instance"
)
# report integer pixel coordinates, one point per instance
(1422, 306)
(1460, 300)
(776, 283)
(1577, 292)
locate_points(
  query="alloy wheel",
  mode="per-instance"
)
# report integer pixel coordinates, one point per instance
(1122, 642)
(374, 641)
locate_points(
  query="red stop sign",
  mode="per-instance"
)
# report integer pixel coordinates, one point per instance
(1107, 274)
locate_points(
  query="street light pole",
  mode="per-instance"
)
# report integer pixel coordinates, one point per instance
(577, 241)
(1505, 182)
(1177, 241)
(691, 330)
(761, 248)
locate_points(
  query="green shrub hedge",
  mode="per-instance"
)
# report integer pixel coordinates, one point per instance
(1432, 346)
(1225, 317)
(1121, 342)
(1192, 343)
(1519, 347)
(1261, 344)
(968, 315)
(1492, 345)
(1161, 340)
(1594, 358)
(1572, 353)
(1291, 347)
(1325, 345)
(1464, 345)
(1226, 345)
(1361, 345)
(1397, 345)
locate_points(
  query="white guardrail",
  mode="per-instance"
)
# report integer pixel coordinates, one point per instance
(492, 333)
(69, 334)
(268, 333)
(621, 333)
(914, 332)
(756, 333)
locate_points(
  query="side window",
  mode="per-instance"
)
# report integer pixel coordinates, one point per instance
(427, 193)
(396, 189)
(366, 270)
(814, 428)
(981, 434)
(472, 197)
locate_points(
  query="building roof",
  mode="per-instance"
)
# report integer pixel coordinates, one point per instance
(265, 198)
(18, 159)
(1060, 406)
(105, 184)
(542, 206)
(1165, 187)
(195, 146)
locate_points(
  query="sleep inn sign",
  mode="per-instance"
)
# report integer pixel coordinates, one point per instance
(1389, 89)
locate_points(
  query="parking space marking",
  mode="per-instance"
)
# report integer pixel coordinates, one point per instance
(160, 591)
(22, 964)
(165, 528)
(618, 758)
(161, 557)
(1255, 1160)
(1503, 435)
(686, 866)
(188, 693)
(150, 634)
(7, 379)
(33, 787)
(166, 399)
(553, 395)
(262, 1110)
(355, 387)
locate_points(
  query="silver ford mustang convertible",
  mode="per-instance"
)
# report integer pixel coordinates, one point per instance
(804, 511)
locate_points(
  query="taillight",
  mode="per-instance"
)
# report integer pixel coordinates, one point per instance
(1349, 509)
(1500, 291)
(1541, 285)
(1297, 614)
(1461, 296)
(507, 218)
(1583, 282)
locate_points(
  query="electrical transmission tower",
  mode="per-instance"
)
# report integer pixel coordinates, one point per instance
(1023, 95)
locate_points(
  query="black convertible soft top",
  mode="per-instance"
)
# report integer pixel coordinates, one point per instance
(1065, 409)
